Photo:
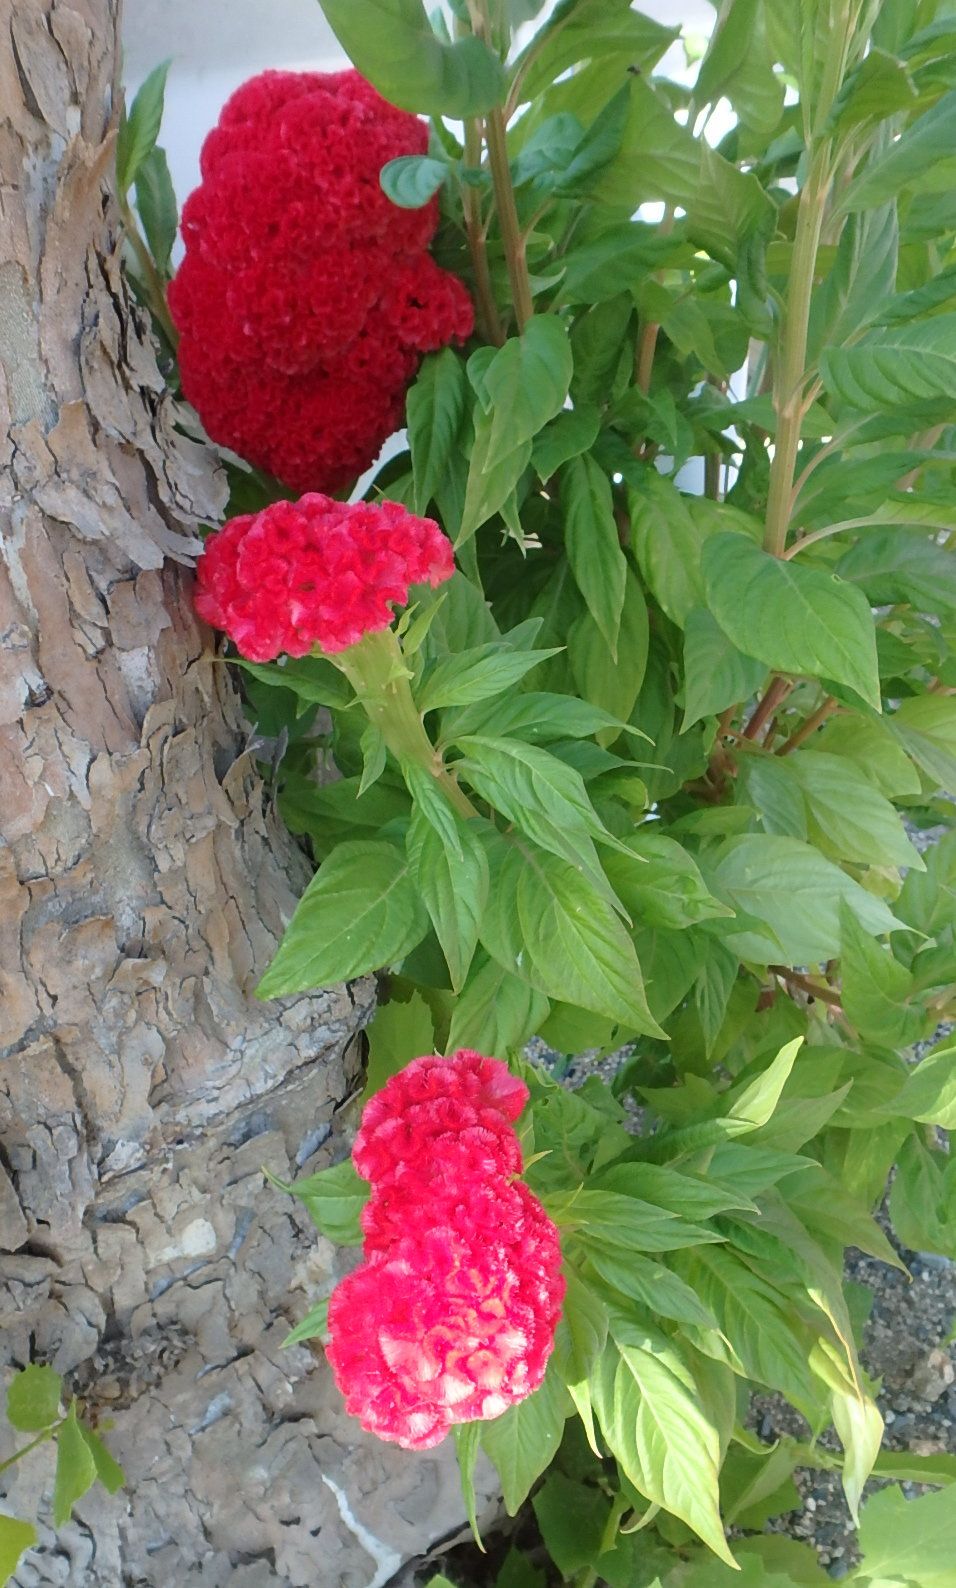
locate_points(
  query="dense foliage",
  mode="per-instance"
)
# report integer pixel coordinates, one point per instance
(649, 768)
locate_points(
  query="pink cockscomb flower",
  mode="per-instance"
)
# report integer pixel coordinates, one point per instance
(315, 572)
(451, 1317)
(306, 298)
(453, 1324)
(464, 1091)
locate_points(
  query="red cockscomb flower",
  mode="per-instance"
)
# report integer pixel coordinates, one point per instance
(315, 573)
(451, 1325)
(306, 298)
(451, 1316)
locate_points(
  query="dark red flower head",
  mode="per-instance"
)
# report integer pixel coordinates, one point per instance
(315, 573)
(306, 297)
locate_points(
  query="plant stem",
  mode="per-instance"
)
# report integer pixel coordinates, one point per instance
(377, 672)
(794, 978)
(40, 1439)
(152, 280)
(788, 398)
(511, 236)
(496, 138)
(803, 733)
(777, 692)
(489, 323)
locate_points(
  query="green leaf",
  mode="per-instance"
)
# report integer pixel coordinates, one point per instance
(579, 1341)
(569, 434)
(312, 678)
(613, 688)
(640, 1279)
(451, 872)
(796, 892)
(75, 1468)
(923, 1199)
(467, 1440)
(412, 179)
(392, 44)
(572, 1517)
(612, 1219)
(766, 1339)
(108, 1470)
(495, 1010)
(651, 1416)
(908, 1541)
(314, 1326)
(925, 725)
(847, 815)
(661, 885)
(876, 988)
(541, 795)
(360, 913)
(929, 1093)
(333, 1199)
(526, 382)
(139, 128)
(921, 157)
(477, 674)
(879, 86)
(892, 565)
(435, 408)
(738, 66)
(156, 203)
(33, 1398)
(537, 716)
(523, 1441)
(15, 1537)
(492, 476)
(793, 618)
(398, 1033)
(869, 743)
(716, 674)
(593, 544)
(583, 30)
(909, 368)
(753, 1105)
(565, 938)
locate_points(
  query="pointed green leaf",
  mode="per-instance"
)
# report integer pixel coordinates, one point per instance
(139, 128)
(451, 873)
(523, 1441)
(75, 1468)
(796, 892)
(108, 1470)
(793, 618)
(593, 544)
(392, 44)
(360, 913)
(333, 1198)
(435, 408)
(557, 932)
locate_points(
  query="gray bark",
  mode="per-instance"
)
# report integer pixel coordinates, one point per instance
(144, 883)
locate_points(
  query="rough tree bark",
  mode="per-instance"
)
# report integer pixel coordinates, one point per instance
(143, 885)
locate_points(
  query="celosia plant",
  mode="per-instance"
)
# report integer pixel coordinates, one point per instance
(307, 298)
(451, 1317)
(636, 773)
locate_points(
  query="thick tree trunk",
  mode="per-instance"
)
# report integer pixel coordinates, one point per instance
(143, 885)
